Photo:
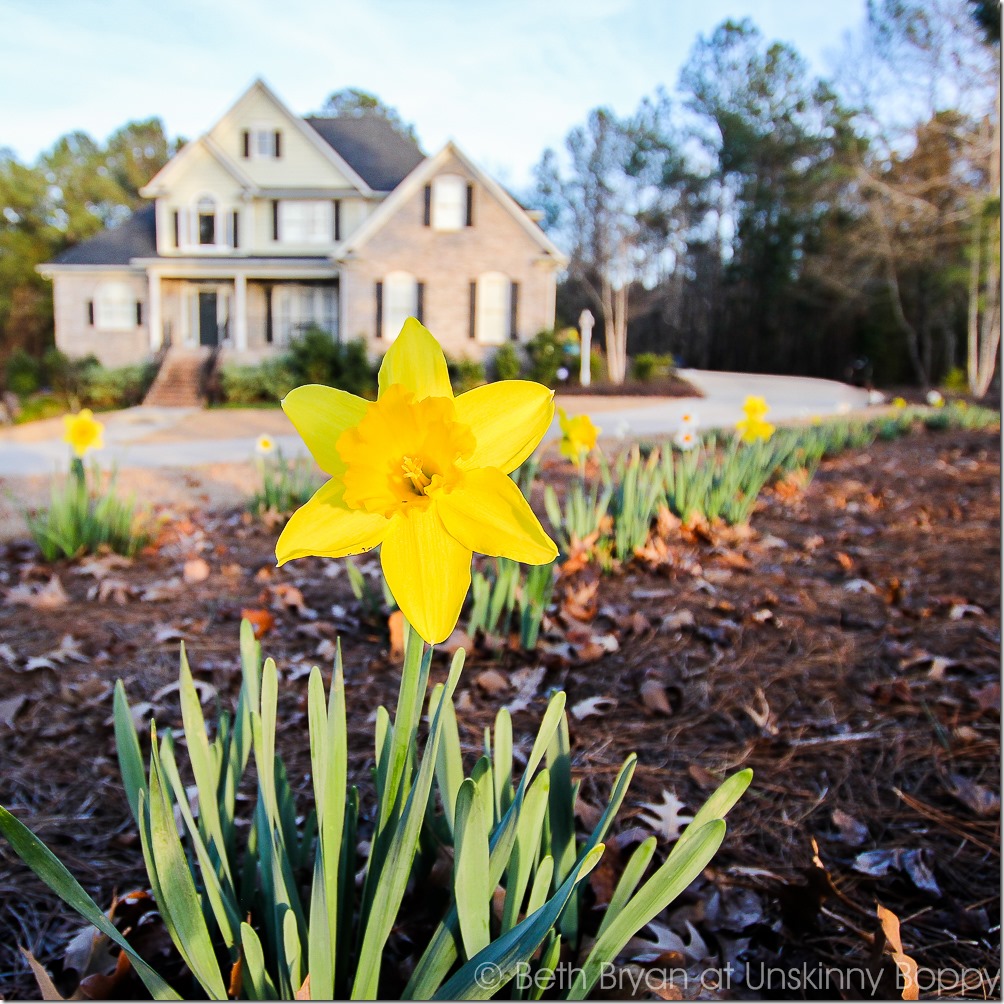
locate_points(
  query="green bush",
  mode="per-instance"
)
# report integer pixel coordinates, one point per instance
(269, 381)
(466, 374)
(597, 366)
(650, 366)
(956, 381)
(547, 352)
(23, 374)
(124, 387)
(507, 363)
(315, 357)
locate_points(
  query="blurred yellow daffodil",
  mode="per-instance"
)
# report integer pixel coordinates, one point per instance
(899, 402)
(754, 424)
(421, 473)
(83, 432)
(578, 436)
(265, 444)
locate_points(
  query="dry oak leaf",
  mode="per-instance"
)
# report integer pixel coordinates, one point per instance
(492, 682)
(653, 696)
(665, 818)
(51, 596)
(196, 570)
(589, 706)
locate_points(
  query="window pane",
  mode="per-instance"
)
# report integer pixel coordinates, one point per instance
(207, 228)
(449, 202)
(493, 308)
(400, 303)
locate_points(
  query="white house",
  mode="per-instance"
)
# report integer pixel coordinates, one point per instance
(271, 223)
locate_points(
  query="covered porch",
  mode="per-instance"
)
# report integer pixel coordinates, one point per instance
(248, 310)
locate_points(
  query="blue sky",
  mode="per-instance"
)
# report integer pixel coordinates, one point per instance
(504, 78)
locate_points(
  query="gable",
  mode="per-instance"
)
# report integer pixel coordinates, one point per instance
(200, 173)
(305, 160)
(406, 204)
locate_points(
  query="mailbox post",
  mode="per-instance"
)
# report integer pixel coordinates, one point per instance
(586, 322)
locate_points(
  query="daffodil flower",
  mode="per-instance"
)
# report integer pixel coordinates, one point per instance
(578, 436)
(689, 420)
(899, 402)
(83, 432)
(686, 439)
(423, 474)
(754, 425)
(935, 400)
(264, 445)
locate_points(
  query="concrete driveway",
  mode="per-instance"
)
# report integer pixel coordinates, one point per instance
(184, 437)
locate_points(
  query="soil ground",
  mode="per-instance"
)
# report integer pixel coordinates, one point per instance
(847, 648)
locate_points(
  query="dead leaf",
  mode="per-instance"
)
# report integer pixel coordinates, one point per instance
(163, 589)
(593, 706)
(906, 965)
(852, 832)
(51, 596)
(206, 691)
(459, 639)
(677, 620)
(527, 681)
(196, 570)
(977, 797)
(653, 696)
(988, 698)
(912, 863)
(9, 707)
(492, 682)
(960, 610)
(110, 590)
(395, 625)
(860, 586)
(261, 620)
(580, 603)
(291, 598)
(45, 985)
(846, 562)
(665, 818)
(761, 714)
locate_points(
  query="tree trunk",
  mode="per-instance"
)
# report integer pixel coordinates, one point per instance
(614, 306)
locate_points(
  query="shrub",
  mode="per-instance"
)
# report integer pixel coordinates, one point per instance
(23, 374)
(115, 388)
(315, 357)
(956, 381)
(547, 352)
(507, 364)
(466, 374)
(650, 366)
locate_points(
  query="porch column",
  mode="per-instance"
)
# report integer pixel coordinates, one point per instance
(155, 321)
(240, 312)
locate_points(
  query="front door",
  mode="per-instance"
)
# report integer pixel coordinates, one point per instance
(209, 329)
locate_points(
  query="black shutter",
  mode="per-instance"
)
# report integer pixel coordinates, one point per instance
(90, 313)
(427, 220)
(338, 219)
(176, 223)
(514, 311)
(379, 310)
(419, 302)
(278, 144)
(268, 315)
(473, 315)
(139, 314)
(470, 205)
(275, 219)
(237, 232)
(246, 143)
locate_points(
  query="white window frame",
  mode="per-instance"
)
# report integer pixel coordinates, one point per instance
(493, 308)
(306, 221)
(449, 203)
(261, 141)
(296, 307)
(400, 301)
(114, 306)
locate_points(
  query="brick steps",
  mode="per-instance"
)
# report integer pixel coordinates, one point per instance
(179, 381)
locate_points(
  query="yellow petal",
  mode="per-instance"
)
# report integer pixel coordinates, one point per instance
(323, 526)
(321, 414)
(508, 419)
(488, 514)
(428, 571)
(416, 362)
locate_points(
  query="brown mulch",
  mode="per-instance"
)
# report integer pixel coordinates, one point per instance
(848, 649)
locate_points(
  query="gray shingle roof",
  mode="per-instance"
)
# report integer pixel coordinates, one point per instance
(134, 238)
(373, 148)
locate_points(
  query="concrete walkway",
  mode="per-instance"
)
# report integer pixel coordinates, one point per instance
(185, 437)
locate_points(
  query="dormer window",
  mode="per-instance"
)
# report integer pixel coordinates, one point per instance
(261, 143)
(206, 212)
